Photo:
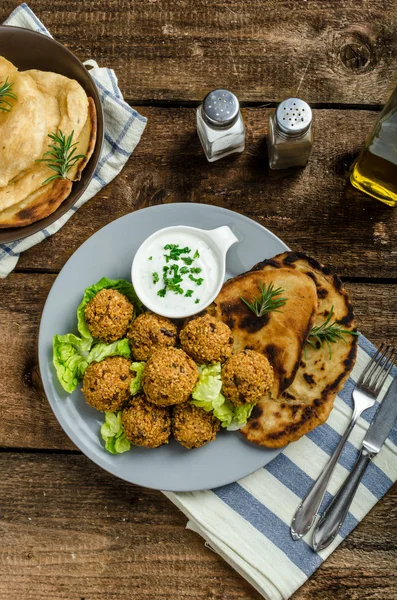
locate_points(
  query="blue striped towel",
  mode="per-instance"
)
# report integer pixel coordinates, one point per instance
(248, 522)
(123, 130)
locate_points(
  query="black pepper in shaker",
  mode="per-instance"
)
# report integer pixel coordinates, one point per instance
(290, 137)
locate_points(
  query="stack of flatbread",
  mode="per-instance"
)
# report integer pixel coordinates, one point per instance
(306, 379)
(46, 102)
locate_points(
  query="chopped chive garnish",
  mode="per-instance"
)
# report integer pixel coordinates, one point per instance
(150, 258)
(198, 280)
(175, 252)
(173, 275)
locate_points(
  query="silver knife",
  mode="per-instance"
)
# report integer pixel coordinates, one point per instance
(328, 526)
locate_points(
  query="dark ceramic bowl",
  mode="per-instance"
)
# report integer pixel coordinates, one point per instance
(30, 50)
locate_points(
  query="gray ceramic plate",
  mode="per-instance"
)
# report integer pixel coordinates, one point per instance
(27, 49)
(109, 253)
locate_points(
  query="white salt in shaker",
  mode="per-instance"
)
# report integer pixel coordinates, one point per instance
(220, 126)
(290, 137)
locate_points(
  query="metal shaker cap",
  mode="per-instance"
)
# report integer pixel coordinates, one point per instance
(220, 108)
(293, 116)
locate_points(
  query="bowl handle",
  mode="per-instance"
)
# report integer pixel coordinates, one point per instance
(223, 237)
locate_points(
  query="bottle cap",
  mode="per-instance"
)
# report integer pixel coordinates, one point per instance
(293, 116)
(220, 108)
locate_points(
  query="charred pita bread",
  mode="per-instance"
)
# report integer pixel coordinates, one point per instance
(46, 102)
(280, 336)
(275, 422)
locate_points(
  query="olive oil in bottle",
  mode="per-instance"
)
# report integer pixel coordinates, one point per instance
(375, 171)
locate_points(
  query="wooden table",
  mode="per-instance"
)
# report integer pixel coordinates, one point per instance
(70, 531)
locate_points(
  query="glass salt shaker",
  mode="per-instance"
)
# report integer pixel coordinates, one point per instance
(220, 125)
(290, 138)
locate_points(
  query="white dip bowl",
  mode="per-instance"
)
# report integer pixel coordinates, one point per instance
(184, 278)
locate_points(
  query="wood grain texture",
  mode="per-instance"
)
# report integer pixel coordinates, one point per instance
(173, 50)
(71, 531)
(314, 210)
(26, 419)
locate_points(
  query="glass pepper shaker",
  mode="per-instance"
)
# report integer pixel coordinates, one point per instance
(290, 138)
(220, 125)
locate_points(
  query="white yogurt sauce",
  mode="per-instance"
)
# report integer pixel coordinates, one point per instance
(154, 262)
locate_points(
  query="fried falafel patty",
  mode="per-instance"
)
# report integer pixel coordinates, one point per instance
(106, 384)
(246, 377)
(207, 340)
(146, 424)
(169, 377)
(108, 315)
(150, 332)
(193, 427)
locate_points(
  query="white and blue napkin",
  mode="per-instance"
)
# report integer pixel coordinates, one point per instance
(248, 522)
(123, 129)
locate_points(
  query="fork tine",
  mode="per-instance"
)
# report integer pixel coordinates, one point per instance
(377, 365)
(392, 359)
(369, 365)
(382, 366)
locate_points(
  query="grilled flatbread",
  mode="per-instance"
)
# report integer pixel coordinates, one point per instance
(46, 102)
(280, 336)
(309, 399)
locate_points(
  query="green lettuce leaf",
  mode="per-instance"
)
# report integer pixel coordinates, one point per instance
(71, 360)
(240, 416)
(136, 382)
(207, 395)
(122, 286)
(101, 350)
(112, 432)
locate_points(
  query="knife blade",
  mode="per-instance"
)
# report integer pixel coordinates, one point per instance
(383, 421)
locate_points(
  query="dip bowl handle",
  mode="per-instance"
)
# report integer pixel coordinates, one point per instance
(222, 237)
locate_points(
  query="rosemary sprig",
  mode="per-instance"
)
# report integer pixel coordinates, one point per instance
(61, 158)
(6, 92)
(267, 302)
(328, 333)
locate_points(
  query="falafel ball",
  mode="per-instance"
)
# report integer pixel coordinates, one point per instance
(106, 384)
(193, 427)
(108, 315)
(150, 332)
(207, 340)
(169, 377)
(146, 424)
(246, 377)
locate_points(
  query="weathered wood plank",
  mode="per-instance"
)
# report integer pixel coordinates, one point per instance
(72, 531)
(263, 50)
(314, 210)
(26, 420)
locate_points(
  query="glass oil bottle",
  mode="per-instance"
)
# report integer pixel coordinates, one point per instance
(375, 171)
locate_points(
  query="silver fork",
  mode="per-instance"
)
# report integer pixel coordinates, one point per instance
(364, 395)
